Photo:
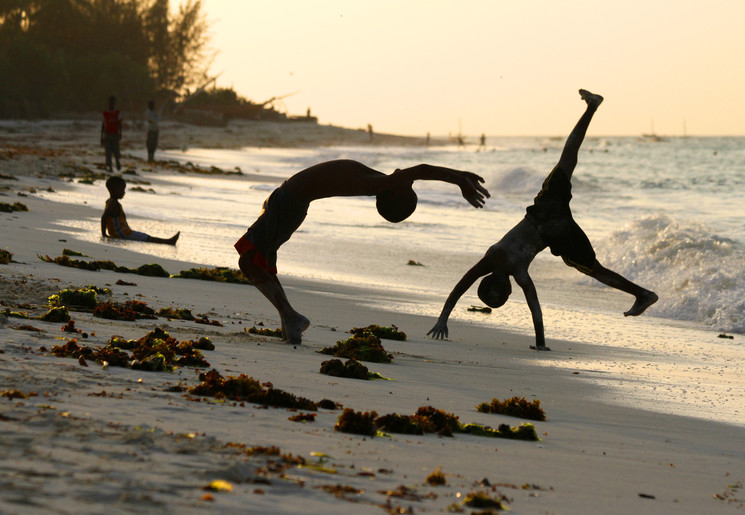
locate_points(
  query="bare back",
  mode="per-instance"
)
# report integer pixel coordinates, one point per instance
(340, 178)
(516, 250)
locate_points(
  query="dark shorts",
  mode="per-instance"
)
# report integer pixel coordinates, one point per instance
(565, 238)
(551, 215)
(282, 214)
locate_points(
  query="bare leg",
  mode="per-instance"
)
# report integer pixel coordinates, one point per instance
(644, 297)
(568, 159)
(167, 241)
(293, 323)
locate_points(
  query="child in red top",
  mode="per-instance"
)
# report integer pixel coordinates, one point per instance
(111, 133)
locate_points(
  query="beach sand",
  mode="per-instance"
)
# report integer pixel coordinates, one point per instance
(89, 439)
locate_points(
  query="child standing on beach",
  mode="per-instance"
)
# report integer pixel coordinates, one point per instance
(286, 207)
(114, 220)
(548, 223)
(111, 133)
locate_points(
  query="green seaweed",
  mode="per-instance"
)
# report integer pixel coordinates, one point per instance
(5, 257)
(154, 352)
(482, 500)
(219, 274)
(15, 314)
(366, 347)
(514, 407)
(150, 270)
(263, 331)
(248, 389)
(429, 420)
(75, 298)
(129, 311)
(358, 423)
(382, 332)
(58, 314)
(352, 369)
(176, 313)
(11, 208)
(524, 431)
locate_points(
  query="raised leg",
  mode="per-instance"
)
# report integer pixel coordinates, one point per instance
(568, 159)
(644, 297)
(293, 323)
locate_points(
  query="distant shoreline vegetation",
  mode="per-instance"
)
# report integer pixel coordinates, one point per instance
(136, 50)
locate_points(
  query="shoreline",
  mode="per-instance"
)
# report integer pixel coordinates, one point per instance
(593, 456)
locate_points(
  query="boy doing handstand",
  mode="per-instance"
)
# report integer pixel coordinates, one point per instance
(287, 206)
(548, 223)
(114, 220)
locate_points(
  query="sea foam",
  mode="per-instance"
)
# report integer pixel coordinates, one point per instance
(697, 274)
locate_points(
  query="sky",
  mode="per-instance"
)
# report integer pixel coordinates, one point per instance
(499, 67)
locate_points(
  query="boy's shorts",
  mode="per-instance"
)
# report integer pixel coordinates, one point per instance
(282, 214)
(565, 238)
(551, 215)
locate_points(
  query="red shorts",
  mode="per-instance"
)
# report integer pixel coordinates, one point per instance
(244, 245)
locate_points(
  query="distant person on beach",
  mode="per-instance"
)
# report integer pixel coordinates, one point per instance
(114, 221)
(548, 223)
(111, 133)
(152, 119)
(285, 209)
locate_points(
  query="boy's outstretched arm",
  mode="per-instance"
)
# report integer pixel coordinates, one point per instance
(440, 330)
(531, 296)
(469, 183)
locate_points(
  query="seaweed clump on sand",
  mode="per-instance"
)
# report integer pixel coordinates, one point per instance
(426, 420)
(382, 332)
(58, 314)
(248, 389)
(5, 257)
(85, 298)
(264, 331)
(12, 208)
(482, 501)
(352, 369)
(219, 274)
(363, 347)
(522, 432)
(149, 270)
(130, 311)
(176, 313)
(154, 352)
(429, 420)
(358, 423)
(514, 407)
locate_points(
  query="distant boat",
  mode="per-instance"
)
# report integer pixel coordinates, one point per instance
(652, 136)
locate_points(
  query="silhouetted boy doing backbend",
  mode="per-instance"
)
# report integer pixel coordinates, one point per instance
(287, 206)
(547, 223)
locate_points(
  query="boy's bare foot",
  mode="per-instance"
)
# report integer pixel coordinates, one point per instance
(539, 347)
(173, 239)
(643, 301)
(591, 98)
(295, 328)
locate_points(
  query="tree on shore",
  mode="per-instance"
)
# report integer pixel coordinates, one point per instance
(70, 55)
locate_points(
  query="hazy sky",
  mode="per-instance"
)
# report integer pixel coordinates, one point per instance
(499, 67)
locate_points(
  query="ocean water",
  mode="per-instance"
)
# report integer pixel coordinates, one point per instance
(667, 215)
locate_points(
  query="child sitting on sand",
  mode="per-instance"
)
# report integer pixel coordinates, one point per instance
(114, 220)
(548, 223)
(286, 207)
